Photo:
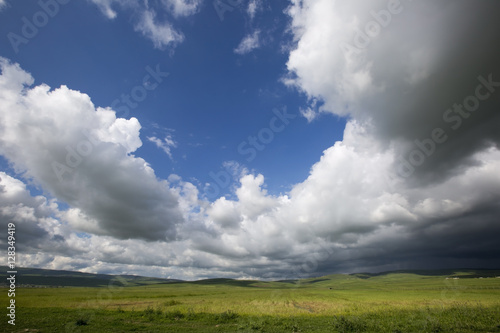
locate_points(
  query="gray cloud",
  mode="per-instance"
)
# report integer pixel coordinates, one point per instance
(401, 78)
(19, 207)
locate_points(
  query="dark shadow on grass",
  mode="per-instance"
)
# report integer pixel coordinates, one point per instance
(226, 282)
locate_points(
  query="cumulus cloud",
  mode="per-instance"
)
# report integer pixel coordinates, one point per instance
(83, 155)
(351, 213)
(224, 213)
(52, 238)
(249, 43)
(360, 207)
(379, 64)
(32, 215)
(368, 203)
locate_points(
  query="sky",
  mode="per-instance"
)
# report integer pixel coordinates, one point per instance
(195, 139)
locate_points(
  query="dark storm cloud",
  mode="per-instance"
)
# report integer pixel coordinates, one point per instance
(421, 62)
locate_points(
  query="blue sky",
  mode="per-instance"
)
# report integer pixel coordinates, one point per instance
(198, 138)
(212, 99)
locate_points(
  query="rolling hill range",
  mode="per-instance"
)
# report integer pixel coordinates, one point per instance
(60, 278)
(456, 300)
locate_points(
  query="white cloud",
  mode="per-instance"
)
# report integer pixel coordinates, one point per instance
(253, 7)
(105, 7)
(3, 4)
(249, 43)
(320, 66)
(166, 144)
(308, 113)
(183, 7)
(162, 34)
(225, 213)
(253, 200)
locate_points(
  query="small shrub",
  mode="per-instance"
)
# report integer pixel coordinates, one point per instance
(435, 326)
(227, 316)
(171, 303)
(81, 322)
(149, 311)
(293, 327)
(199, 316)
(349, 324)
(256, 325)
(174, 315)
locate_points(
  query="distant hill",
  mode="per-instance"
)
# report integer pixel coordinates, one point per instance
(462, 273)
(57, 278)
(36, 277)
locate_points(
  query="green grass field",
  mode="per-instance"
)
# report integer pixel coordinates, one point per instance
(392, 302)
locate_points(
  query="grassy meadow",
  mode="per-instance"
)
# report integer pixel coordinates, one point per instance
(451, 301)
